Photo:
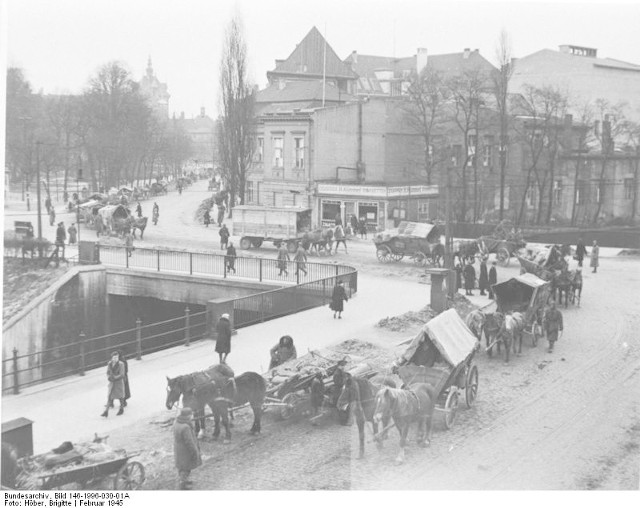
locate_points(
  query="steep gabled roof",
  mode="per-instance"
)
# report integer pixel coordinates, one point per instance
(308, 59)
(300, 91)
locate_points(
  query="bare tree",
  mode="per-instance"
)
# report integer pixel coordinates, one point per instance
(236, 134)
(501, 78)
(632, 134)
(424, 112)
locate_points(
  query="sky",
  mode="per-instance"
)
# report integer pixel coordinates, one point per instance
(60, 44)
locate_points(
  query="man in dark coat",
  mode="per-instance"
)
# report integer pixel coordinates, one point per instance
(283, 258)
(483, 281)
(230, 258)
(469, 278)
(115, 375)
(223, 340)
(186, 451)
(338, 380)
(458, 270)
(207, 218)
(139, 209)
(337, 298)
(73, 234)
(581, 252)
(553, 325)
(61, 238)
(224, 237)
(221, 209)
(127, 390)
(493, 279)
(301, 260)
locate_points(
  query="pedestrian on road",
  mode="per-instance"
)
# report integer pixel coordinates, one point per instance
(224, 237)
(127, 390)
(207, 218)
(230, 258)
(283, 351)
(595, 254)
(99, 225)
(115, 375)
(469, 278)
(340, 238)
(139, 209)
(458, 270)
(362, 226)
(47, 205)
(493, 279)
(316, 396)
(553, 324)
(223, 339)
(283, 259)
(52, 216)
(186, 451)
(338, 296)
(483, 281)
(354, 225)
(155, 214)
(221, 209)
(128, 243)
(301, 260)
(581, 252)
(73, 233)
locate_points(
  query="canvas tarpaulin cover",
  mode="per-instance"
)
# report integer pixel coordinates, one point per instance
(451, 336)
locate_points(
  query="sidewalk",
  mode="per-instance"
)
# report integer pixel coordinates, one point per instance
(69, 409)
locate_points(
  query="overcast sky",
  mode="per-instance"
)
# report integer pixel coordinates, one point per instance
(60, 44)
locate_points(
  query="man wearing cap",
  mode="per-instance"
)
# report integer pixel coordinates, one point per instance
(553, 324)
(115, 375)
(61, 237)
(493, 279)
(483, 281)
(223, 341)
(186, 451)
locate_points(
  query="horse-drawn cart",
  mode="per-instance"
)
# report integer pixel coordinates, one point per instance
(416, 240)
(442, 355)
(503, 249)
(85, 464)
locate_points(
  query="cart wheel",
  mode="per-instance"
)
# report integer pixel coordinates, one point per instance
(384, 254)
(451, 408)
(471, 390)
(256, 243)
(420, 259)
(292, 246)
(536, 333)
(397, 257)
(129, 477)
(503, 256)
(292, 400)
(245, 243)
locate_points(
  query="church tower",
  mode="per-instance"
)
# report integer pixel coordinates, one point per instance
(155, 92)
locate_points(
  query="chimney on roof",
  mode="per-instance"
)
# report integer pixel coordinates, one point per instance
(421, 60)
(202, 112)
(354, 57)
(466, 53)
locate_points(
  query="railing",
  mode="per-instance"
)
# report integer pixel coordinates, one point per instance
(85, 354)
(209, 263)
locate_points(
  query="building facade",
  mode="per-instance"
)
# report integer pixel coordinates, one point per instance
(156, 92)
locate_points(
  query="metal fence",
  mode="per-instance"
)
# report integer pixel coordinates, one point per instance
(22, 370)
(220, 265)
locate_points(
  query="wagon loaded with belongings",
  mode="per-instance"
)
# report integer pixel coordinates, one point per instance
(528, 295)
(416, 240)
(442, 355)
(115, 218)
(289, 384)
(504, 242)
(82, 464)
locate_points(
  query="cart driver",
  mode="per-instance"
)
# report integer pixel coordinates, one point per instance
(283, 351)
(338, 380)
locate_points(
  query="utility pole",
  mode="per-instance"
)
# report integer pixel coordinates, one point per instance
(448, 242)
(38, 143)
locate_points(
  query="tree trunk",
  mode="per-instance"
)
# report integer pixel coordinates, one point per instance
(601, 191)
(575, 193)
(551, 181)
(524, 199)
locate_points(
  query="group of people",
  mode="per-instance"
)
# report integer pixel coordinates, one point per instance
(207, 215)
(581, 253)
(486, 280)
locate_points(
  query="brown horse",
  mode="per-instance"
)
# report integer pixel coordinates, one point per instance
(406, 406)
(359, 394)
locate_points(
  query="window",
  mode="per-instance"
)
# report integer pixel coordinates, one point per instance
(299, 152)
(487, 152)
(629, 190)
(581, 193)
(531, 197)
(557, 192)
(599, 191)
(260, 150)
(472, 141)
(278, 152)
(456, 151)
(423, 207)
(249, 192)
(430, 153)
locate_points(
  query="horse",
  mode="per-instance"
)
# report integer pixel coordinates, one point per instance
(475, 321)
(10, 467)
(406, 406)
(248, 388)
(319, 240)
(138, 223)
(186, 385)
(465, 250)
(511, 333)
(493, 322)
(360, 394)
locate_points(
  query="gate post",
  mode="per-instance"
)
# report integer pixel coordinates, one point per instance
(16, 387)
(260, 269)
(187, 324)
(158, 251)
(262, 308)
(190, 264)
(138, 339)
(82, 337)
(126, 257)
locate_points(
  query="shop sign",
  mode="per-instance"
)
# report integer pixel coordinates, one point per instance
(377, 191)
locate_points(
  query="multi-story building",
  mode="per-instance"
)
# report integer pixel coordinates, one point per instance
(201, 131)
(585, 77)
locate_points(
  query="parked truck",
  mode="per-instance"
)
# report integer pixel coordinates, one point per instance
(258, 224)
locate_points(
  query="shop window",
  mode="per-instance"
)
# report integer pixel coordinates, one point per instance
(329, 211)
(368, 211)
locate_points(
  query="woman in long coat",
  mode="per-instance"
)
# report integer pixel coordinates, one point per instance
(483, 281)
(115, 375)
(337, 298)
(223, 342)
(186, 451)
(283, 258)
(469, 278)
(301, 260)
(595, 254)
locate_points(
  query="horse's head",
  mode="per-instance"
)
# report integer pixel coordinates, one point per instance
(385, 403)
(174, 391)
(349, 392)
